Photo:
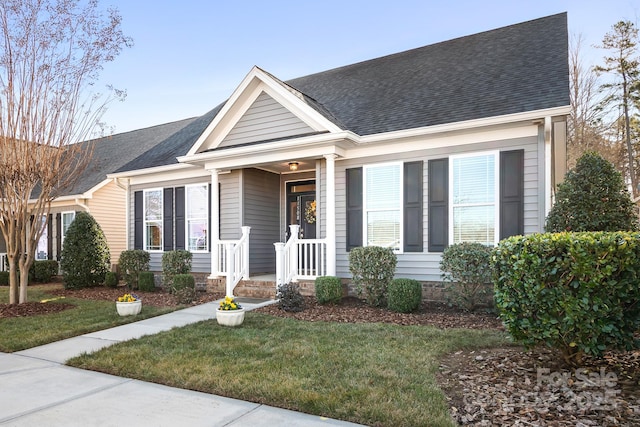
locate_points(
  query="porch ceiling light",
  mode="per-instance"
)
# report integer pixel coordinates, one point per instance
(293, 166)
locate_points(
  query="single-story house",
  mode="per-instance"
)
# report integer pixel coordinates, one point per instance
(104, 198)
(463, 140)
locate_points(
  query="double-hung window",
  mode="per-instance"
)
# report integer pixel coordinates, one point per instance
(67, 219)
(197, 217)
(474, 205)
(153, 220)
(383, 205)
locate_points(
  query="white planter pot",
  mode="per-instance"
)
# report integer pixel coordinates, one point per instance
(129, 308)
(230, 317)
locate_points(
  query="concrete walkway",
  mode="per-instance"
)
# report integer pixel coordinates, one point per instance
(37, 389)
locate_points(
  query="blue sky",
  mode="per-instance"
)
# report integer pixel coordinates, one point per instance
(190, 55)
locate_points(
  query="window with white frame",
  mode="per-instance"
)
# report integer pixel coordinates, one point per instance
(197, 217)
(474, 198)
(41, 251)
(383, 205)
(153, 220)
(67, 219)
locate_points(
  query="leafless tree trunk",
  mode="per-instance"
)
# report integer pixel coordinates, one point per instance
(585, 121)
(51, 51)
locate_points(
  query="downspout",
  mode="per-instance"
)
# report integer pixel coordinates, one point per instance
(125, 187)
(548, 167)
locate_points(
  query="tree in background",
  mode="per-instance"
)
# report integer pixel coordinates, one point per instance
(586, 124)
(622, 93)
(51, 52)
(593, 197)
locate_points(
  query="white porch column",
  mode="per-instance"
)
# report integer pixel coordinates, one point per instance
(214, 226)
(331, 214)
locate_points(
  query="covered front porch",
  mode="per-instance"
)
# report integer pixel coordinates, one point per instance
(288, 224)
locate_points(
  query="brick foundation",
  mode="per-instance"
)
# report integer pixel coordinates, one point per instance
(431, 291)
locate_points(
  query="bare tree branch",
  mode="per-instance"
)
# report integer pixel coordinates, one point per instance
(51, 53)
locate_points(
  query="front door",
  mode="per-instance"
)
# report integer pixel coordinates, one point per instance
(301, 208)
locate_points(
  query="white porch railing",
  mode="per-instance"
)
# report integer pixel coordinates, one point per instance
(300, 259)
(233, 260)
(3, 262)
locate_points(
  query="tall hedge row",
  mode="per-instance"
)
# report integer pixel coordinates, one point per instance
(577, 292)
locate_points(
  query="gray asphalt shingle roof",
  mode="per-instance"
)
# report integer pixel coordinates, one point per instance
(111, 152)
(518, 68)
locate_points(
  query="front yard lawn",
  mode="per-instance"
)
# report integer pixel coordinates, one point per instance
(19, 333)
(370, 373)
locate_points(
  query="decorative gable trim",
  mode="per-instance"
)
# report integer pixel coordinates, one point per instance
(243, 98)
(265, 120)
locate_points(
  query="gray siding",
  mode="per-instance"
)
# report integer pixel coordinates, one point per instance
(425, 266)
(265, 119)
(261, 207)
(230, 207)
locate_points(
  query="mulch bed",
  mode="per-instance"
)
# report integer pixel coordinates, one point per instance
(54, 305)
(488, 387)
(352, 310)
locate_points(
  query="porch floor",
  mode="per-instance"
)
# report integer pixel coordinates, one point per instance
(264, 277)
(249, 300)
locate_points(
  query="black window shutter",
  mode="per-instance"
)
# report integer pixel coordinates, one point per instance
(438, 205)
(511, 193)
(354, 208)
(50, 237)
(167, 219)
(413, 207)
(58, 236)
(138, 222)
(180, 218)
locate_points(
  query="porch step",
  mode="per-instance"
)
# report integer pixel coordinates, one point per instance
(265, 289)
(256, 289)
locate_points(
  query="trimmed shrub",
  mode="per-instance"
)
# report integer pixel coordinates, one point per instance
(41, 271)
(404, 296)
(290, 298)
(146, 281)
(175, 262)
(372, 269)
(111, 279)
(466, 271)
(328, 290)
(131, 263)
(4, 278)
(575, 292)
(184, 287)
(85, 255)
(593, 197)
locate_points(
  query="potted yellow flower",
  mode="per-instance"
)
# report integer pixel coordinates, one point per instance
(230, 312)
(128, 305)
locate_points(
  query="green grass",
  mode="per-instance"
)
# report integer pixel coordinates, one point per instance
(19, 333)
(375, 374)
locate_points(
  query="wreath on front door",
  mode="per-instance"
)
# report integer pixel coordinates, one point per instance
(310, 212)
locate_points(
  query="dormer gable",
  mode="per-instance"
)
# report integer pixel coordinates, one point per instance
(263, 108)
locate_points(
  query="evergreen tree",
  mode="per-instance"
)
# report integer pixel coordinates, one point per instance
(592, 198)
(85, 255)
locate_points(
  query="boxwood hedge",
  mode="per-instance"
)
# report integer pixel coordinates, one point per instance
(576, 292)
